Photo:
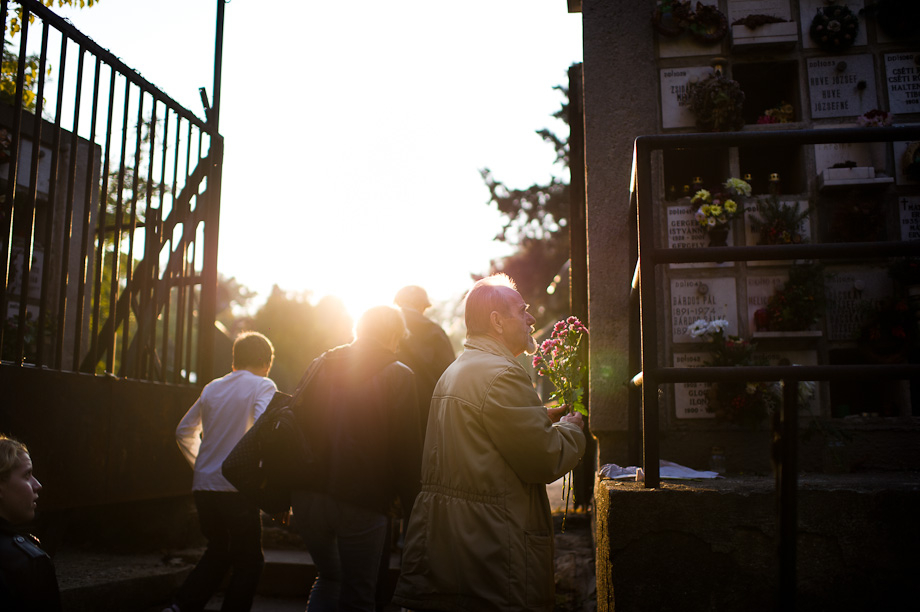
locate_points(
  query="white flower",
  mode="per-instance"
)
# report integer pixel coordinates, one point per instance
(717, 326)
(698, 328)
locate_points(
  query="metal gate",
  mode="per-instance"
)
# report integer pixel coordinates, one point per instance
(109, 215)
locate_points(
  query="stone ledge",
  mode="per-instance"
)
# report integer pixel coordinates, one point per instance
(711, 545)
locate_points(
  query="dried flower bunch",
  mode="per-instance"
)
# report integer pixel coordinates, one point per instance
(717, 103)
(706, 23)
(752, 22)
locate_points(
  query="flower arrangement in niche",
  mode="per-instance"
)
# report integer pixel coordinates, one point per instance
(706, 23)
(716, 210)
(752, 22)
(834, 27)
(910, 161)
(560, 359)
(779, 222)
(897, 18)
(798, 305)
(784, 113)
(736, 402)
(889, 331)
(875, 118)
(717, 103)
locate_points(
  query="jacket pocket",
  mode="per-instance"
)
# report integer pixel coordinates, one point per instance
(538, 570)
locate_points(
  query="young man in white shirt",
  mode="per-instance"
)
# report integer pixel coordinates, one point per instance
(226, 409)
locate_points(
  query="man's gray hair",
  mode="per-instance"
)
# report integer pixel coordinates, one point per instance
(483, 299)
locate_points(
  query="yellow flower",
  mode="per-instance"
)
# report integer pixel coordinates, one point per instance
(715, 210)
(702, 195)
(731, 207)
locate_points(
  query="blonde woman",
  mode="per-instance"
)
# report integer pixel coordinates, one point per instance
(27, 579)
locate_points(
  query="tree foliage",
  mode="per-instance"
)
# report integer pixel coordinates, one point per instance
(10, 62)
(535, 221)
(300, 331)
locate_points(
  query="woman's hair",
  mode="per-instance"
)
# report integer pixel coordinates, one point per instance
(483, 299)
(252, 350)
(380, 323)
(11, 453)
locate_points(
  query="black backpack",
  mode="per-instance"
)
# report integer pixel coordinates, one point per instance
(273, 457)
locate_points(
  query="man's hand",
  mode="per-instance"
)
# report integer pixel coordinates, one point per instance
(575, 418)
(555, 412)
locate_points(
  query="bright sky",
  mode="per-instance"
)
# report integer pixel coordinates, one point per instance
(355, 131)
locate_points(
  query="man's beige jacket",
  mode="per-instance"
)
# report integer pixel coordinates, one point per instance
(481, 535)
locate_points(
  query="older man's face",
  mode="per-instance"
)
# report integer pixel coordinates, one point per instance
(517, 324)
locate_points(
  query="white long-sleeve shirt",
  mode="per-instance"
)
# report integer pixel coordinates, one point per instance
(225, 410)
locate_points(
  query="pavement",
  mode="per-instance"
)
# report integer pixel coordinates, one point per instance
(93, 581)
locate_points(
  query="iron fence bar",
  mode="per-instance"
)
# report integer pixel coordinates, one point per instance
(87, 43)
(146, 306)
(52, 199)
(167, 273)
(9, 208)
(839, 250)
(634, 399)
(778, 137)
(869, 371)
(116, 237)
(87, 219)
(648, 315)
(100, 231)
(129, 362)
(191, 296)
(179, 214)
(32, 199)
(68, 211)
(787, 500)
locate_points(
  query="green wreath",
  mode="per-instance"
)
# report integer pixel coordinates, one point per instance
(834, 28)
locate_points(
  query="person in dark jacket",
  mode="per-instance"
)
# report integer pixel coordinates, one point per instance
(426, 349)
(27, 579)
(359, 415)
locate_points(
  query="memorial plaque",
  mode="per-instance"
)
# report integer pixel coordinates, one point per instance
(685, 232)
(759, 291)
(902, 74)
(909, 207)
(675, 103)
(865, 154)
(851, 297)
(841, 93)
(739, 9)
(808, 9)
(691, 400)
(709, 299)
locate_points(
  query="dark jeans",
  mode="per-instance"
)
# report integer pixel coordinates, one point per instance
(233, 528)
(346, 542)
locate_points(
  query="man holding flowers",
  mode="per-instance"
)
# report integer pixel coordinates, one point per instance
(481, 534)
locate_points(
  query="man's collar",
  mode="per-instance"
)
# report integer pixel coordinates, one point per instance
(487, 343)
